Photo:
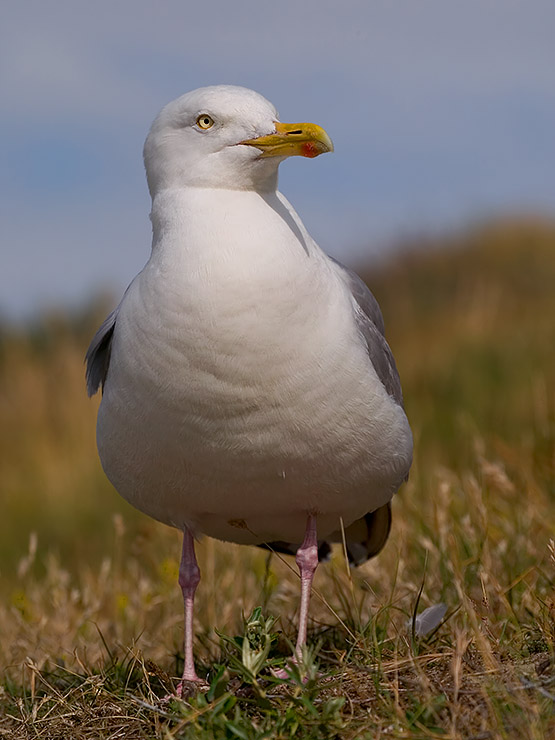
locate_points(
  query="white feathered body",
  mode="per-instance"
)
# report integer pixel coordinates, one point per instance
(240, 395)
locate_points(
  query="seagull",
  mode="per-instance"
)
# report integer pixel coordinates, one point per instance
(248, 392)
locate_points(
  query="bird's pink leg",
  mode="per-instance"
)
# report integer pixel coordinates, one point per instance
(189, 577)
(307, 560)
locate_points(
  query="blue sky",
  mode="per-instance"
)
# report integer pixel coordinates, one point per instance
(441, 112)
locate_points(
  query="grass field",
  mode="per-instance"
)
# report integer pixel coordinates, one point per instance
(90, 610)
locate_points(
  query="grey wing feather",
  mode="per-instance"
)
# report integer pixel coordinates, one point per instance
(98, 354)
(363, 296)
(371, 325)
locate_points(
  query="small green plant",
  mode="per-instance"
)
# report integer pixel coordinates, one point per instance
(247, 654)
(257, 641)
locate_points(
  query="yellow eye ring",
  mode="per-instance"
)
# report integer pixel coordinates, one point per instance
(205, 121)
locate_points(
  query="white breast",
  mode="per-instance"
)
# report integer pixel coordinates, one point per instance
(239, 394)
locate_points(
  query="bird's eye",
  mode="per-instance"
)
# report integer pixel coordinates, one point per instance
(205, 121)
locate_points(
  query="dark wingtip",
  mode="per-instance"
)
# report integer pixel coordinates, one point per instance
(290, 548)
(364, 538)
(378, 526)
(97, 358)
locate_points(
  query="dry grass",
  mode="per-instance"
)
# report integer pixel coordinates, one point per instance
(90, 613)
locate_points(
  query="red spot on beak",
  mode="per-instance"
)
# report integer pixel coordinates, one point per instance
(309, 149)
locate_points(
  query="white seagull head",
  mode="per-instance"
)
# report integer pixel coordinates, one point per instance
(224, 137)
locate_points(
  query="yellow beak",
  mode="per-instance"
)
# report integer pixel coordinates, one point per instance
(304, 139)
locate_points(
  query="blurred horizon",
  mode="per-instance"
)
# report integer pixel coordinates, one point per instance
(442, 116)
(414, 248)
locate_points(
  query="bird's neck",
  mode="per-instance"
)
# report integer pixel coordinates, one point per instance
(230, 253)
(198, 225)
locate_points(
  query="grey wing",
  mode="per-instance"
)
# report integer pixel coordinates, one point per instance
(370, 323)
(98, 354)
